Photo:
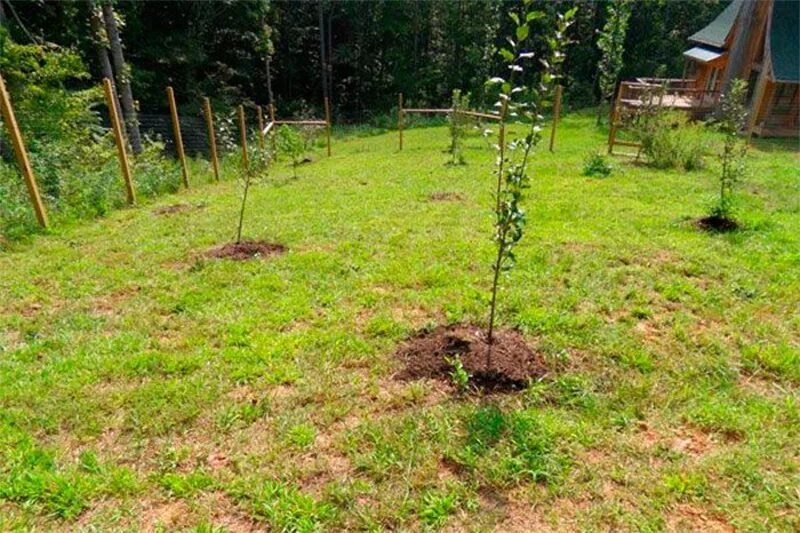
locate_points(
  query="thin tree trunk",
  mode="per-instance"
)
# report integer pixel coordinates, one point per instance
(98, 38)
(268, 65)
(323, 67)
(123, 78)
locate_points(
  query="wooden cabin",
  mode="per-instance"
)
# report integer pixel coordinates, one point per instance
(755, 40)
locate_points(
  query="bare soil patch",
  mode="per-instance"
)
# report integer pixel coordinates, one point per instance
(445, 197)
(511, 366)
(717, 224)
(242, 251)
(176, 208)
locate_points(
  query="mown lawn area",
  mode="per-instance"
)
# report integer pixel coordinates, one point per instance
(143, 385)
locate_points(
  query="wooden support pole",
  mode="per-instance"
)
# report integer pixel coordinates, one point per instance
(120, 140)
(212, 138)
(400, 118)
(328, 123)
(22, 155)
(260, 115)
(273, 143)
(556, 116)
(612, 121)
(243, 136)
(176, 130)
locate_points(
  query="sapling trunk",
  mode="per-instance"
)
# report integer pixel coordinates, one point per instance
(501, 136)
(247, 181)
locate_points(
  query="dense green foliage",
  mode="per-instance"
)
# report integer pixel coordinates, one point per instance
(611, 42)
(422, 48)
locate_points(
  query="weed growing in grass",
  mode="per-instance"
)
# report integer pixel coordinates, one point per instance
(458, 373)
(512, 154)
(597, 165)
(457, 124)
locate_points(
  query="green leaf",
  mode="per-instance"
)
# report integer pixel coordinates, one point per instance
(514, 17)
(522, 32)
(534, 15)
(507, 55)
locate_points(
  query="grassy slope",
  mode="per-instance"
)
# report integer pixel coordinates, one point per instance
(141, 384)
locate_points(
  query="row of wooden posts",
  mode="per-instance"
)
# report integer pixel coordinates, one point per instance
(23, 161)
(24, 164)
(402, 111)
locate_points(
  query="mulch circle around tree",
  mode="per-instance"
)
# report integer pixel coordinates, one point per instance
(445, 197)
(242, 251)
(717, 223)
(513, 364)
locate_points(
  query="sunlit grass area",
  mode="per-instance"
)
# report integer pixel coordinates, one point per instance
(143, 384)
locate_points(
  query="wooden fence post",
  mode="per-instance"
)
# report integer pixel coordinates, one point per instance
(176, 130)
(273, 142)
(612, 121)
(260, 115)
(243, 136)
(22, 155)
(556, 115)
(120, 140)
(212, 138)
(400, 118)
(328, 123)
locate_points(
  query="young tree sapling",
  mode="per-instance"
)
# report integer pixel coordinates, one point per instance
(611, 42)
(513, 151)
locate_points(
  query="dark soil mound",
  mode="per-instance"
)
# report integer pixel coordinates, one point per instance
(445, 197)
(242, 251)
(512, 363)
(717, 223)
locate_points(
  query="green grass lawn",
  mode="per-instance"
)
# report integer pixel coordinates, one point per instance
(143, 385)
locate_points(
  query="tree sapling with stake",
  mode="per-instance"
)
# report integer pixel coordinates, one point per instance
(458, 123)
(513, 151)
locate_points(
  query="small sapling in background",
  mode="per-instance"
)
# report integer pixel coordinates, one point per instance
(514, 150)
(291, 143)
(611, 43)
(458, 123)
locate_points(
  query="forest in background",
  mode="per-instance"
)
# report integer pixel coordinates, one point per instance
(368, 51)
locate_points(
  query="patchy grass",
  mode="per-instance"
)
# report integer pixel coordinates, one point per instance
(144, 385)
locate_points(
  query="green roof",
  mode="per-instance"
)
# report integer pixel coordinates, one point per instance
(717, 32)
(784, 40)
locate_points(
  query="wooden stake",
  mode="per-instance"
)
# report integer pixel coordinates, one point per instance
(212, 138)
(260, 127)
(243, 136)
(612, 121)
(273, 143)
(120, 140)
(22, 155)
(328, 123)
(556, 116)
(176, 130)
(400, 118)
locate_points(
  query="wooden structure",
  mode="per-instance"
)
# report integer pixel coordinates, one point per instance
(754, 40)
(403, 111)
(119, 139)
(21, 154)
(273, 122)
(176, 131)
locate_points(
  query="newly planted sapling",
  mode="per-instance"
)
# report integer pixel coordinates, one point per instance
(733, 157)
(611, 42)
(253, 166)
(514, 151)
(458, 123)
(291, 143)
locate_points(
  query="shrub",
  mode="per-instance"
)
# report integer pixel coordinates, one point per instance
(291, 143)
(670, 140)
(597, 165)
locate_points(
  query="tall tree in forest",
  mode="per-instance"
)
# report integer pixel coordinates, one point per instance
(123, 77)
(611, 42)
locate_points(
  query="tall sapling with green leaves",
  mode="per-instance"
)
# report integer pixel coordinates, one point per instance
(514, 151)
(611, 42)
(732, 118)
(458, 122)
